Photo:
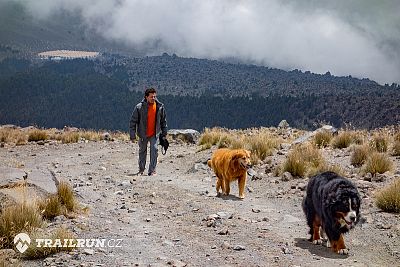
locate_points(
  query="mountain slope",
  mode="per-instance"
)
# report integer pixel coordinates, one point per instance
(101, 94)
(27, 34)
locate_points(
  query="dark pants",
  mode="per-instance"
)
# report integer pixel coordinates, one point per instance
(143, 153)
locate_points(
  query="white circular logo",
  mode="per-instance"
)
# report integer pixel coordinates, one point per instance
(22, 242)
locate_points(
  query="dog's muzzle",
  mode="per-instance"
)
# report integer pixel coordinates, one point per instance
(245, 166)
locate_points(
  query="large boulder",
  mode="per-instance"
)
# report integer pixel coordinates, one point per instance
(9, 126)
(328, 128)
(188, 135)
(10, 175)
(283, 124)
(39, 183)
(106, 136)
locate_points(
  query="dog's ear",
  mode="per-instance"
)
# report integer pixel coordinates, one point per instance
(330, 200)
(248, 152)
(235, 160)
(236, 156)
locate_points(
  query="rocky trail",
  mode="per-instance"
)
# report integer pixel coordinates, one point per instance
(175, 218)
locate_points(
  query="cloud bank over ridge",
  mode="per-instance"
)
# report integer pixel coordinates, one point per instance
(361, 38)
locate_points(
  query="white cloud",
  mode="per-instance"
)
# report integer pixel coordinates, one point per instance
(361, 38)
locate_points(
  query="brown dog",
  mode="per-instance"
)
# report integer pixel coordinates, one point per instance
(230, 165)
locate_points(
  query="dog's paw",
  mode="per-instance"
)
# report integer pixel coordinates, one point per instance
(328, 244)
(241, 197)
(343, 251)
(317, 242)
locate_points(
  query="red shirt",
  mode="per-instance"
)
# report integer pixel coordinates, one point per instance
(151, 120)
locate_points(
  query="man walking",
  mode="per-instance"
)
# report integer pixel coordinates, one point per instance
(148, 121)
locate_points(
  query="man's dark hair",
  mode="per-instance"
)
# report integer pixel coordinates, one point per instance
(150, 90)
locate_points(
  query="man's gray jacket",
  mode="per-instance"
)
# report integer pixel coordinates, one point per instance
(138, 123)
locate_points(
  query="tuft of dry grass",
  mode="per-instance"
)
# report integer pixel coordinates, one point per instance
(70, 137)
(312, 155)
(380, 143)
(261, 142)
(120, 136)
(50, 207)
(388, 198)
(304, 159)
(378, 163)
(396, 137)
(359, 137)
(295, 164)
(225, 140)
(34, 252)
(90, 135)
(360, 155)
(324, 167)
(37, 135)
(15, 136)
(211, 136)
(343, 140)
(204, 147)
(21, 137)
(5, 134)
(15, 219)
(261, 145)
(237, 143)
(323, 138)
(396, 149)
(66, 196)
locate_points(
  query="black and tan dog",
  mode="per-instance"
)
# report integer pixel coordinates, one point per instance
(332, 205)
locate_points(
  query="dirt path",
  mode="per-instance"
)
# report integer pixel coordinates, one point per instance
(175, 219)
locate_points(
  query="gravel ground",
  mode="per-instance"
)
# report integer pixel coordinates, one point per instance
(175, 218)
